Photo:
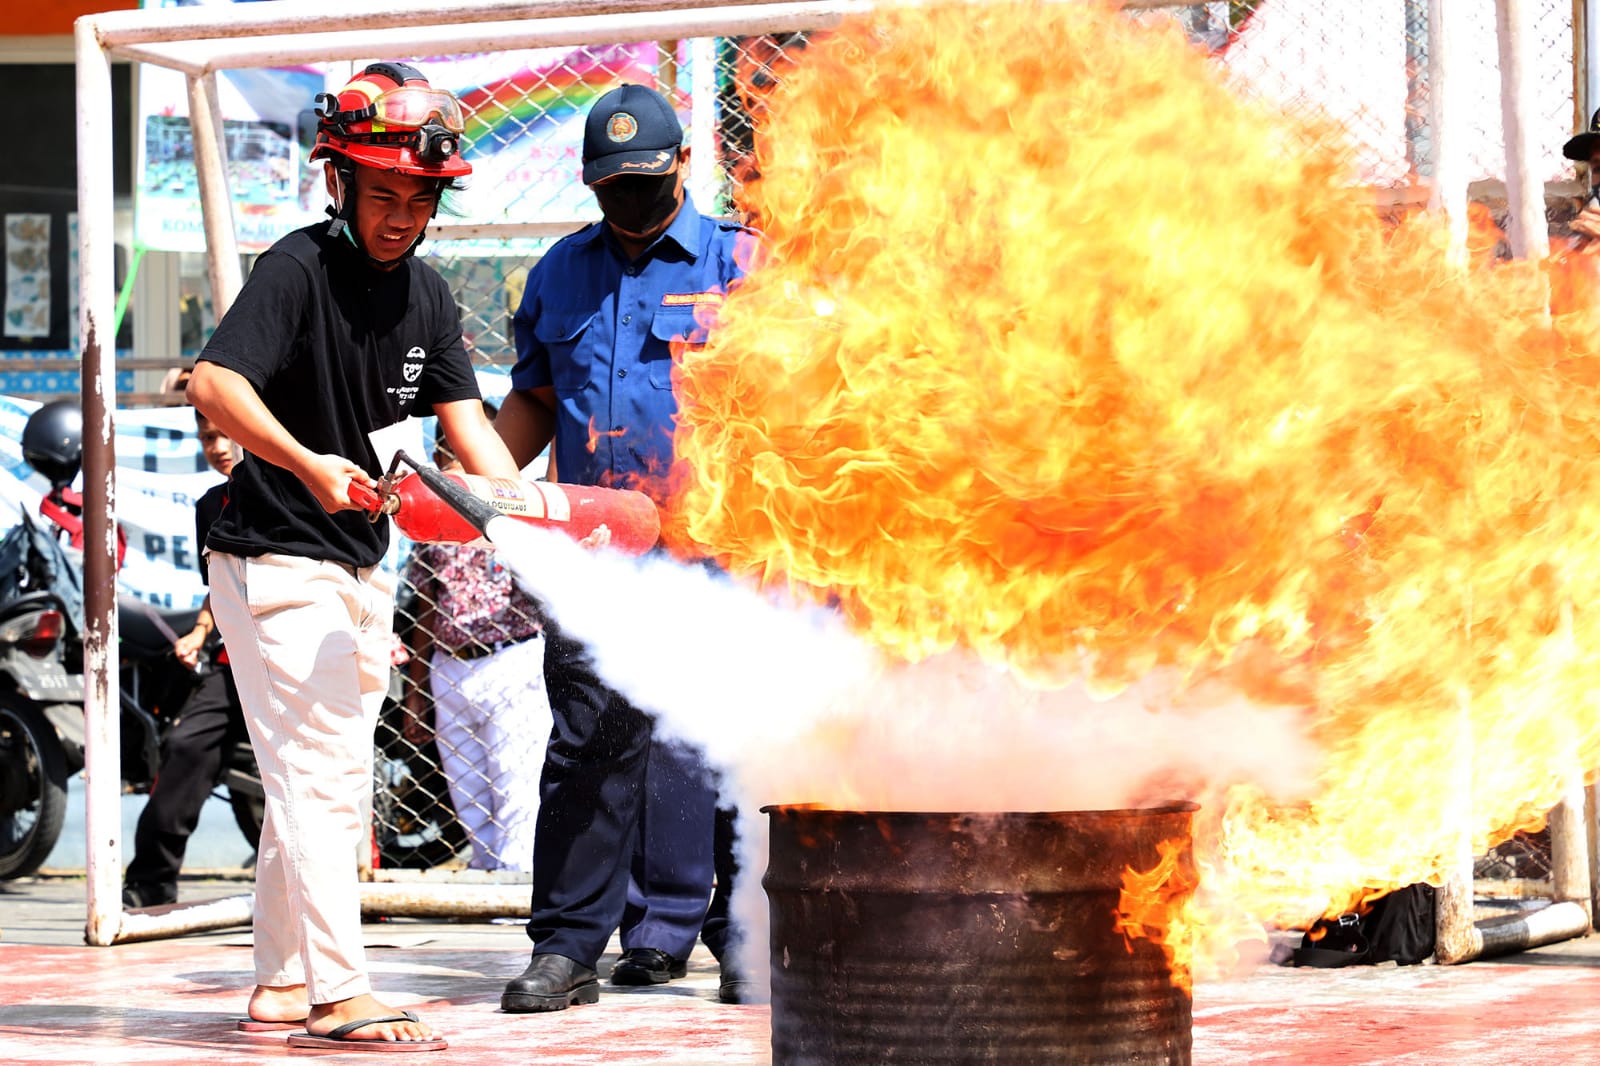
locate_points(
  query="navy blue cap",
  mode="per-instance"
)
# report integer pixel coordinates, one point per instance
(630, 130)
(1583, 145)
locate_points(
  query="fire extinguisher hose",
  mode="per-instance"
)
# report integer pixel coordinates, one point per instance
(475, 511)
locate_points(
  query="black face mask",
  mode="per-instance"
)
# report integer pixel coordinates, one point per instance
(638, 203)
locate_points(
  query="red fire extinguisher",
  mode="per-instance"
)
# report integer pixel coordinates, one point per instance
(428, 516)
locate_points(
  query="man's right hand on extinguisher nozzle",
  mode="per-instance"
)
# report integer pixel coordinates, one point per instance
(329, 478)
(598, 537)
(1586, 227)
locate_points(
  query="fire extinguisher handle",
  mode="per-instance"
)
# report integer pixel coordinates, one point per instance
(365, 498)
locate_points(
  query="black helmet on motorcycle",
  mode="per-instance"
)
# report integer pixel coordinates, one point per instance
(52, 441)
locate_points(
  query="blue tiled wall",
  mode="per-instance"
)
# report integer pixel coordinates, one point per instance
(63, 382)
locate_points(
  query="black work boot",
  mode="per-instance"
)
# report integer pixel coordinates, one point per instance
(137, 894)
(551, 982)
(647, 966)
(734, 987)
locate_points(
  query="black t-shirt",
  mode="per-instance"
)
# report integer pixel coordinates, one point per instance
(337, 348)
(206, 510)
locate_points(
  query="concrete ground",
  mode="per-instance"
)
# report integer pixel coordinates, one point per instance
(176, 1001)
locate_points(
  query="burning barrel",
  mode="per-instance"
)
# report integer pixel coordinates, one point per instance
(902, 937)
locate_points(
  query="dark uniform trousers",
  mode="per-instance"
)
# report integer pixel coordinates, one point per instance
(672, 864)
(596, 832)
(193, 757)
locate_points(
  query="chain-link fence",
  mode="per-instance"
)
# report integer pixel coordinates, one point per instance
(1524, 859)
(462, 738)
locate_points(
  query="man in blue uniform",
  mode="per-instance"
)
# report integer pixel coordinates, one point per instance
(594, 374)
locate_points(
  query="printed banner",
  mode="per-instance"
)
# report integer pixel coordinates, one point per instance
(27, 244)
(267, 173)
(160, 473)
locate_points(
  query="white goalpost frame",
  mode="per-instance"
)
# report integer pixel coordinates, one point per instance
(199, 42)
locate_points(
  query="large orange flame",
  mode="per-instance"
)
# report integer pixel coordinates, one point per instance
(1069, 355)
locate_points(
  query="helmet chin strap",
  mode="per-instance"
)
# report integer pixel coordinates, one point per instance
(343, 208)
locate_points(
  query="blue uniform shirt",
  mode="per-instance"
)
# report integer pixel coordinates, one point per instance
(598, 329)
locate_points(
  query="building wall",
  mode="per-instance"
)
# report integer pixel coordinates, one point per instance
(37, 57)
(39, 18)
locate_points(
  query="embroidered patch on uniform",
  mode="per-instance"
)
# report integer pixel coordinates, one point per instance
(413, 370)
(622, 127)
(691, 299)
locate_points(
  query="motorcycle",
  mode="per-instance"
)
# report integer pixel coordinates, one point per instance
(42, 726)
(41, 701)
(41, 698)
(42, 675)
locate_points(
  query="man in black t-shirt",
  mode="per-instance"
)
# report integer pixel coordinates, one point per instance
(338, 332)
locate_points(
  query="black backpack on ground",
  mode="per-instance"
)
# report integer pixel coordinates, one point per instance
(1396, 928)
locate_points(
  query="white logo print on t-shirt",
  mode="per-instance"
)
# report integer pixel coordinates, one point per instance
(411, 370)
(413, 365)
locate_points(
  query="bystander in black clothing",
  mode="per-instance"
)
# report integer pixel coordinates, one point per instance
(194, 755)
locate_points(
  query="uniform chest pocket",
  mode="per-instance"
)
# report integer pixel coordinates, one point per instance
(672, 325)
(562, 335)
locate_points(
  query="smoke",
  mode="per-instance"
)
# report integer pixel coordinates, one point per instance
(783, 697)
(792, 707)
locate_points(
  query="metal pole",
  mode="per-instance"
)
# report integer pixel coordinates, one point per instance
(703, 181)
(216, 205)
(1449, 195)
(1456, 936)
(118, 28)
(1547, 925)
(1591, 833)
(194, 57)
(1588, 71)
(97, 267)
(229, 912)
(1419, 140)
(1528, 232)
(1569, 850)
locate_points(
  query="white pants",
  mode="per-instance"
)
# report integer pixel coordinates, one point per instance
(309, 645)
(492, 721)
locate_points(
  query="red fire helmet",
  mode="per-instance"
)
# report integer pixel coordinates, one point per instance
(390, 118)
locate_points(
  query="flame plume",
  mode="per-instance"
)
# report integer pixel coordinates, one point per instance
(1066, 354)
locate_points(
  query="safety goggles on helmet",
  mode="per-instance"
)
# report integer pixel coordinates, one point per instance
(408, 107)
(390, 118)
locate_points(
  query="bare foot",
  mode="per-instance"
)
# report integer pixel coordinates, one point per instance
(278, 1003)
(326, 1017)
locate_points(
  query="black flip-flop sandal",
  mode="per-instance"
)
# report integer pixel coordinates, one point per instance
(340, 1038)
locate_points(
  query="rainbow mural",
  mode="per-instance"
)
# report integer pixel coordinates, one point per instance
(524, 136)
(525, 114)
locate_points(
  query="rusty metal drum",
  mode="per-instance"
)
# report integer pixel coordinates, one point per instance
(968, 938)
